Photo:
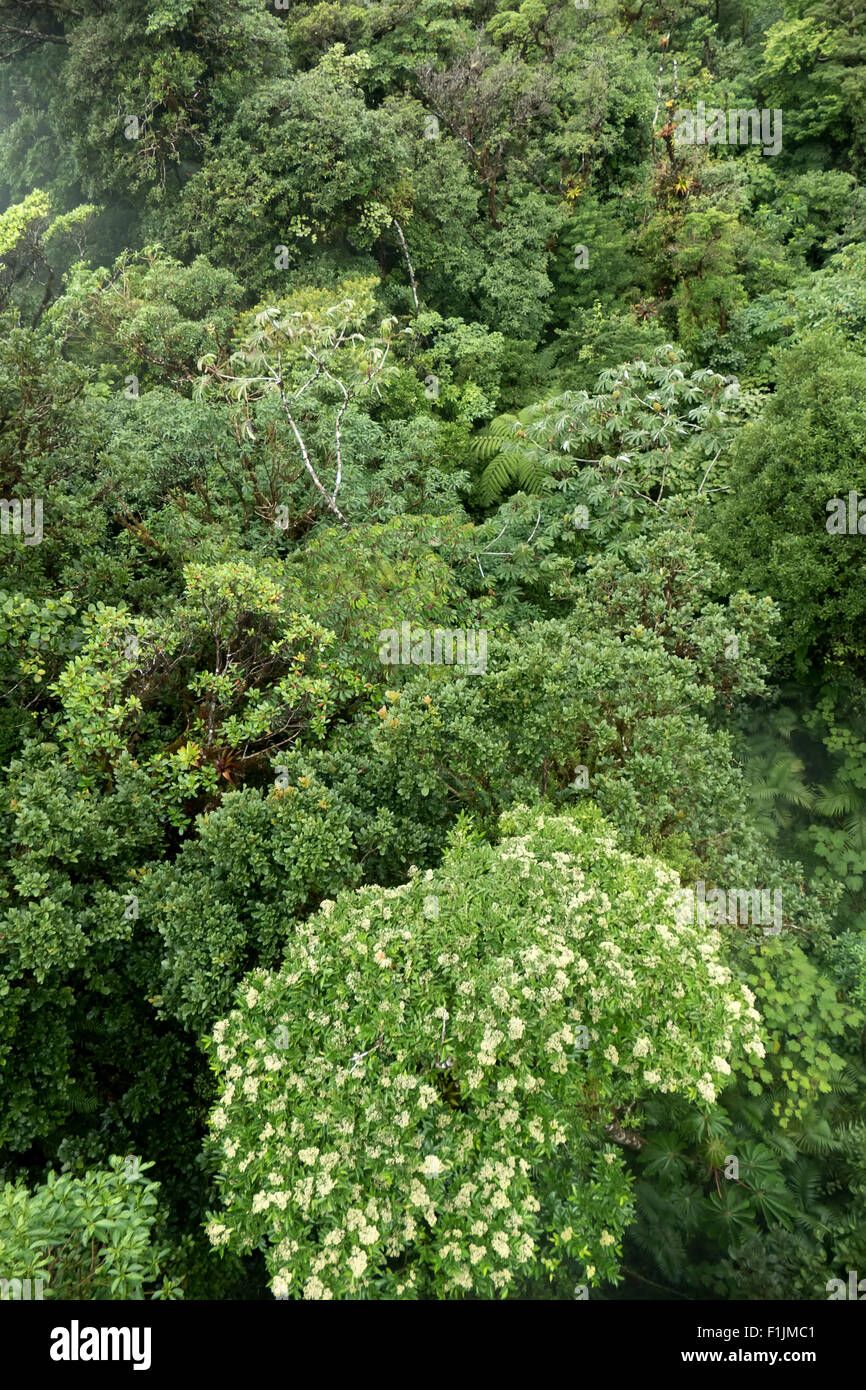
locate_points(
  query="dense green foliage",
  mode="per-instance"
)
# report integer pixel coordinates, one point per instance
(86, 1237)
(327, 329)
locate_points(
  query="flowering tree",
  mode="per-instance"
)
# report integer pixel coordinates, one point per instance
(423, 1101)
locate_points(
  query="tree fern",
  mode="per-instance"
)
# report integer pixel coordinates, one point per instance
(512, 457)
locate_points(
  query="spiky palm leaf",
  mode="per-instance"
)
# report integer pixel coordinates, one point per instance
(513, 457)
(814, 1136)
(779, 778)
(805, 1180)
(842, 798)
(83, 1102)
